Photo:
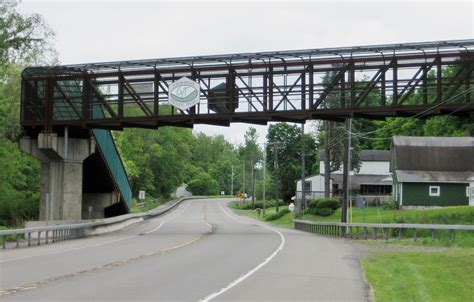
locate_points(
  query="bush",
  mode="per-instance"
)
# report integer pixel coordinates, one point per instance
(311, 211)
(277, 215)
(331, 203)
(241, 206)
(272, 203)
(258, 204)
(391, 204)
(325, 211)
(313, 204)
(9, 237)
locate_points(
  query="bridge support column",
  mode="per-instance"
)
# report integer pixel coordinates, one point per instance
(61, 173)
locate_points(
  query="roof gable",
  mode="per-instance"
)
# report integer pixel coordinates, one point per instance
(454, 154)
(367, 155)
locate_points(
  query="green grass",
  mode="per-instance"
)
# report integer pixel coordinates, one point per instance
(8, 237)
(451, 215)
(421, 276)
(284, 221)
(150, 204)
(447, 215)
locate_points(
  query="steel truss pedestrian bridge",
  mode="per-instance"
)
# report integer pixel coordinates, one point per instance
(374, 82)
(255, 87)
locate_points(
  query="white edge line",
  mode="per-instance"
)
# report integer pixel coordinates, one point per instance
(252, 271)
(97, 244)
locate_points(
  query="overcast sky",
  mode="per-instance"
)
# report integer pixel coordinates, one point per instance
(90, 31)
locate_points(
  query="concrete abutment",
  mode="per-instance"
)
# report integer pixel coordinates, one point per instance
(62, 173)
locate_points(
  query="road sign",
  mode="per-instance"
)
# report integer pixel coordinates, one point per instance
(141, 195)
(184, 93)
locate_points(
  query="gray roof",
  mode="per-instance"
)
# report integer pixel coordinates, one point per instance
(367, 155)
(433, 141)
(444, 154)
(363, 179)
(434, 176)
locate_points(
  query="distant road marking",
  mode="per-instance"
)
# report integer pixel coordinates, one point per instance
(165, 221)
(37, 284)
(252, 271)
(97, 244)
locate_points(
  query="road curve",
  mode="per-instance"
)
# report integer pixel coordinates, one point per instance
(201, 251)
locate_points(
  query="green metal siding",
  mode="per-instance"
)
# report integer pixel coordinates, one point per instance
(64, 110)
(109, 150)
(451, 194)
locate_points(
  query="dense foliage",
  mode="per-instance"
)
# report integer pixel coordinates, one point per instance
(23, 40)
(323, 206)
(277, 215)
(286, 140)
(248, 205)
(158, 161)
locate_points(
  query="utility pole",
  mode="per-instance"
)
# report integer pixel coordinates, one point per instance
(252, 181)
(232, 182)
(303, 195)
(264, 174)
(346, 171)
(243, 177)
(349, 168)
(327, 160)
(277, 176)
(253, 186)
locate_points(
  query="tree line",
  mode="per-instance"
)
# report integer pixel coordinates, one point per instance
(24, 40)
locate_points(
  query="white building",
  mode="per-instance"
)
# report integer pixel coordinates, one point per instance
(372, 179)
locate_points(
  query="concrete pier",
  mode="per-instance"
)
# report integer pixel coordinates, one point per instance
(61, 173)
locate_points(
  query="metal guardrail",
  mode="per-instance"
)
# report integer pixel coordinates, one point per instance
(58, 233)
(353, 230)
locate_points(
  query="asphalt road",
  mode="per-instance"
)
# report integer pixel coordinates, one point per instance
(201, 251)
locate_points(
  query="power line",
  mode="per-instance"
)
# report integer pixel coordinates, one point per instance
(425, 112)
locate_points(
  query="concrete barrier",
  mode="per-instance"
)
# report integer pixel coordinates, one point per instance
(64, 230)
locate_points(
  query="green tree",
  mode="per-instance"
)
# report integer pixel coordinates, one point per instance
(23, 40)
(19, 185)
(203, 184)
(288, 141)
(333, 134)
(249, 154)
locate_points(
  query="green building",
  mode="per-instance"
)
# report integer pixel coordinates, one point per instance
(432, 171)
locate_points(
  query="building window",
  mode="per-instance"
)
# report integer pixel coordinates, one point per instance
(307, 187)
(434, 191)
(467, 191)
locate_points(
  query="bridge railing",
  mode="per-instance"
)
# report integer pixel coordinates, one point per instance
(378, 230)
(57, 233)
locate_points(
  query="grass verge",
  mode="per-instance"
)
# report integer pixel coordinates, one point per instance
(421, 276)
(148, 204)
(284, 221)
(447, 215)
